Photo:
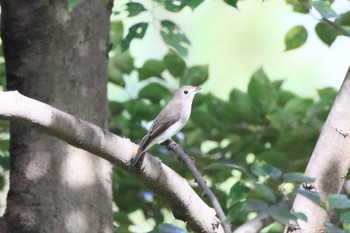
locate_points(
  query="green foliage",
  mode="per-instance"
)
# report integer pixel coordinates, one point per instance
(173, 37)
(331, 24)
(137, 31)
(134, 8)
(168, 30)
(231, 2)
(174, 63)
(247, 146)
(295, 37)
(325, 33)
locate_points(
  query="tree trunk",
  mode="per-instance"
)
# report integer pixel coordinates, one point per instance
(329, 164)
(59, 57)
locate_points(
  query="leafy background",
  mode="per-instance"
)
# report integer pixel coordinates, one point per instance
(250, 143)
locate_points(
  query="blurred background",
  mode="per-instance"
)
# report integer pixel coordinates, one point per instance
(249, 133)
(234, 43)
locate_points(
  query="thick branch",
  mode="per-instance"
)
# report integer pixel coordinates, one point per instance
(157, 176)
(329, 162)
(184, 158)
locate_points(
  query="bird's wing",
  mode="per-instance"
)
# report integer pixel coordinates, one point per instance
(159, 126)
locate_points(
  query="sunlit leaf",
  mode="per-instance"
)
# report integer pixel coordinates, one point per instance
(295, 37)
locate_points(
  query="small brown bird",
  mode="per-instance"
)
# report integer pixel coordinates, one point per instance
(169, 121)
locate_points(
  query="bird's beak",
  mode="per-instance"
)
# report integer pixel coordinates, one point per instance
(198, 89)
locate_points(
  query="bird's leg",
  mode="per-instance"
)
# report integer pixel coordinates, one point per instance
(170, 144)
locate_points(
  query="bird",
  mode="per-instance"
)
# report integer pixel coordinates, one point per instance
(169, 121)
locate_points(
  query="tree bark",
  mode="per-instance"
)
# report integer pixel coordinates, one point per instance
(59, 57)
(185, 203)
(329, 163)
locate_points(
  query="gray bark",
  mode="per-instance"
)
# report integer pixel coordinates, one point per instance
(185, 203)
(329, 163)
(58, 57)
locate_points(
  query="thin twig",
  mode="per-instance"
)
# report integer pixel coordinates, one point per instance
(183, 157)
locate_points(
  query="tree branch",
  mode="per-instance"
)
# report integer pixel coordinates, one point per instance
(186, 204)
(329, 163)
(184, 158)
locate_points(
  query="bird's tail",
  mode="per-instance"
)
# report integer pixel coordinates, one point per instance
(137, 157)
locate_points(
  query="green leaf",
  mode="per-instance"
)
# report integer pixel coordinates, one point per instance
(295, 37)
(262, 92)
(137, 31)
(237, 193)
(231, 3)
(174, 63)
(338, 201)
(297, 177)
(266, 169)
(298, 105)
(281, 215)
(244, 108)
(174, 38)
(326, 33)
(343, 19)
(195, 75)
(301, 6)
(134, 8)
(173, 5)
(124, 63)
(332, 229)
(116, 33)
(204, 121)
(115, 107)
(324, 8)
(262, 190)
(312, 196)
(151, 68)
(154, 92)
(254, 205)
(193, 4)
(345, 217)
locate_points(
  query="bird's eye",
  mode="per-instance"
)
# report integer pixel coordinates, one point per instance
(185, 92)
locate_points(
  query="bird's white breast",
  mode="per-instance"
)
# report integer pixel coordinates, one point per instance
(171, 131)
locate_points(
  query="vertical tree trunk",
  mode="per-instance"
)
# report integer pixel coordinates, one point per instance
(59, 57)
(329, 164)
